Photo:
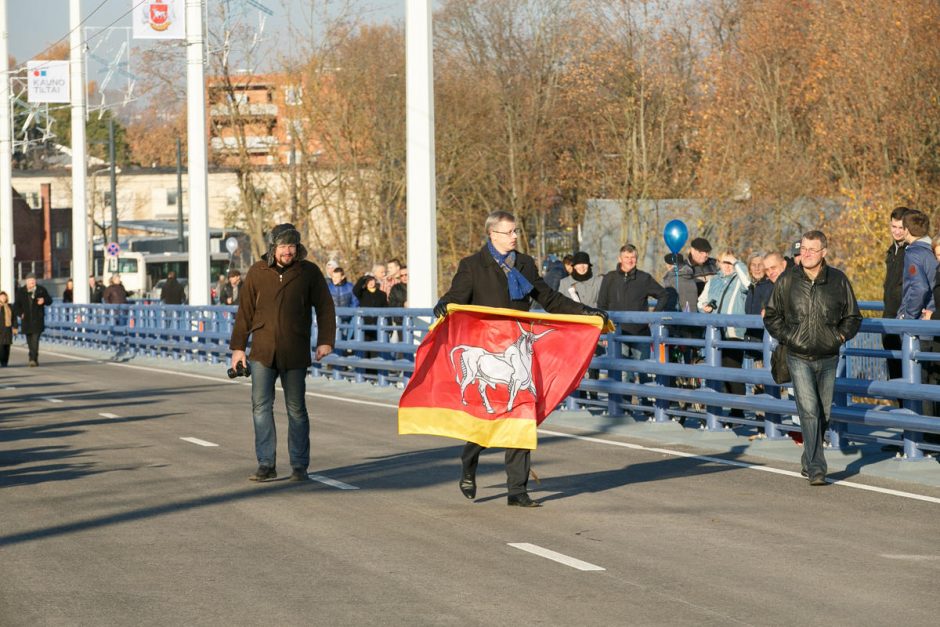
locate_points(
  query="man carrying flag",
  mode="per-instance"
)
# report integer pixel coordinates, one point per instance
(498, 276)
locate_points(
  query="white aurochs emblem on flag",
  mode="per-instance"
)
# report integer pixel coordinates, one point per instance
(512, 367)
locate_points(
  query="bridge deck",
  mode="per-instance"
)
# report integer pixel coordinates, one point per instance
(111, 517)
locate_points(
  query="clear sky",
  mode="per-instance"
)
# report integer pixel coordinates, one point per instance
(35, 24)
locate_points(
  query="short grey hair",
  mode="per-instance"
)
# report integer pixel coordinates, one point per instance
(495, 218)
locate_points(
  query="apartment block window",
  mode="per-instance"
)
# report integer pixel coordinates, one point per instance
(33, 199)
(171, 198)
(62, 239)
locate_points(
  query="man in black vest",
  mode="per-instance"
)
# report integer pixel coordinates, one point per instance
(498, 276)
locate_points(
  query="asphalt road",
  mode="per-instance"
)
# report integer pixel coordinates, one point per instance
(109, 517)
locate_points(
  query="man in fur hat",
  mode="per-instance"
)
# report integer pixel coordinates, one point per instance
(275, 306)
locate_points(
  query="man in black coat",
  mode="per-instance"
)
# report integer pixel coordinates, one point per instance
(173, 292)
(30, 307)
(498, 276)
(627, 288)
(894, 279)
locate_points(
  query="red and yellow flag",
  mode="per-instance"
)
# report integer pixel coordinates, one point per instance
(491, 376)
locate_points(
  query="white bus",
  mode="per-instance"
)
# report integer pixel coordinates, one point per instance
(141, 271)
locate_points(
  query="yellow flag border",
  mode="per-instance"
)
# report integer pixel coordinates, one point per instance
(594, 321)
(457, 424)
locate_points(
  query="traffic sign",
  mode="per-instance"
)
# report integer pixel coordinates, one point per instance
(114, 249)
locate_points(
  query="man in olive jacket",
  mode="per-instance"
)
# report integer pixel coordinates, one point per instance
(498, 276)
(813, 312)
(275, 310)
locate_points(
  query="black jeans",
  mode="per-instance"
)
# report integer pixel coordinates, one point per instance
(518, 462)
(4, 355)
(32, 341)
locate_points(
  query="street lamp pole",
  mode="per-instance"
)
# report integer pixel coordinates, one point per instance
(114, 212)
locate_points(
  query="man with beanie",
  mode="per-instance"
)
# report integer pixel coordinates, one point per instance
(30, 307)
(278, 295)
(499, 276)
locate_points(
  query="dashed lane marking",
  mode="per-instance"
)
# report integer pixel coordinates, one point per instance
(561, 558)
(331, 482)
(107, 415)
(912, 558)
(199, 442)
(53, 400)
(716, 460)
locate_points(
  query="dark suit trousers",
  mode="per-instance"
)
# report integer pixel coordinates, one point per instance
(4, 354)
(518, 461)
(32, 341)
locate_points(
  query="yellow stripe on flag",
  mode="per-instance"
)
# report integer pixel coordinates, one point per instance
(452, 423)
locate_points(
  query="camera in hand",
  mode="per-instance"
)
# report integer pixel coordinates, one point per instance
(240, 370)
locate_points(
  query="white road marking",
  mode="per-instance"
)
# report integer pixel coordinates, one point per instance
(199, 442)
(717, 460)
(913, 558)
(554, 556)
(332, 482)
(107, 415)
(8, 387)
(748, 465)
(53, 400)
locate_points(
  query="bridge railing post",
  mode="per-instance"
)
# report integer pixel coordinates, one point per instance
(661, 354)
(614, 400)
(712, 358)
(911, 373)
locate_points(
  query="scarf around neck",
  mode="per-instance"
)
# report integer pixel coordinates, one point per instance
(519, 286)
(7, 314)
(582, 277)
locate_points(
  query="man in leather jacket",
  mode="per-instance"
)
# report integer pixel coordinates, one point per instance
(813, 312)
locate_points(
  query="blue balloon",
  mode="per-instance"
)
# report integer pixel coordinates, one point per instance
(675, 234)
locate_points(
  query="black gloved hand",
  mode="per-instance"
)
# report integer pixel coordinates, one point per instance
(440, 310)
(594, 311)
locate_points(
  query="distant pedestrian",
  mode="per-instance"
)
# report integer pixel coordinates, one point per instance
(30, 308)
(173, 292)
(342, 292)
(69, 294)
(280, 292)
(95, 290)
(680, 286)
(813, 312)
(554, 272)
(392, 276)
(217, 290)
(7, 329)
(398, 296)
(232, 290)
(115, 294)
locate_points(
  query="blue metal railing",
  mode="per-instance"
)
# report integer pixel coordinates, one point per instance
(682, 381)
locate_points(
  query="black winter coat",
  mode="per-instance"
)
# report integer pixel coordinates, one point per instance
(31, 314)
(173, 293)
(813, 318)
(630, 291)
(894, 278)
(480, 281)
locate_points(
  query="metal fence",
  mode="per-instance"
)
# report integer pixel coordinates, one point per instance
(682, 381)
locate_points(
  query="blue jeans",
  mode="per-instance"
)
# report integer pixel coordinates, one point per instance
(813, 385)
(294, 382)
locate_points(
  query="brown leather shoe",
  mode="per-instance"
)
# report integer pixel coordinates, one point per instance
(818, 480)
(264, 473)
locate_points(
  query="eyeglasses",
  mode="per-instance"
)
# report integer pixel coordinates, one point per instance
(811, 251)
(515, 231)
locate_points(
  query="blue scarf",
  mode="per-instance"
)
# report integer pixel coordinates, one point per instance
(519, 286)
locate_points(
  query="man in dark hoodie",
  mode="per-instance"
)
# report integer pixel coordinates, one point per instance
(894, 279)
(278, 295)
